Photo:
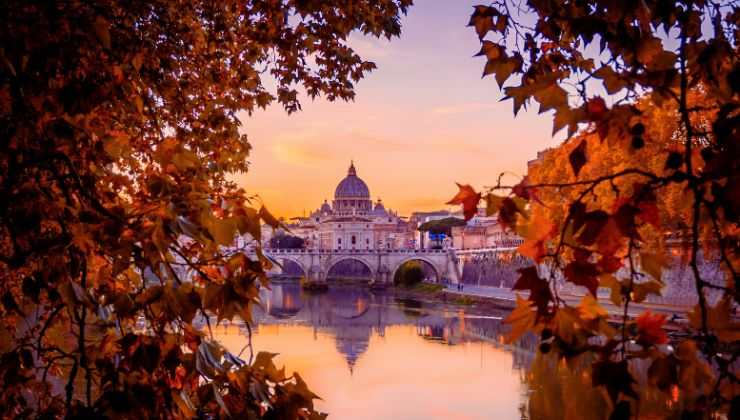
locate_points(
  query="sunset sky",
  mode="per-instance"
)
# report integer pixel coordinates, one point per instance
(423, 120)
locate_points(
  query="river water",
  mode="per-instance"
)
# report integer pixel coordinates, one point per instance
(372, 355)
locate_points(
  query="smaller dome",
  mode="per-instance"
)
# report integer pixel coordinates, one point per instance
(325, 208)
(379, 209)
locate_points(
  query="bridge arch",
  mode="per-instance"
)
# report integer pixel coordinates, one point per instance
(335, 263)
(425, 261)
(285, 261)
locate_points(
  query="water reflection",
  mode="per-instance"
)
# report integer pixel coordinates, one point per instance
(374, 355)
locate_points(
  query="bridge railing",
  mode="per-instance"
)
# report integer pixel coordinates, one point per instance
(352, 251)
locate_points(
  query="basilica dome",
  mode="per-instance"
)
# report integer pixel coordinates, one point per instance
(352, 186)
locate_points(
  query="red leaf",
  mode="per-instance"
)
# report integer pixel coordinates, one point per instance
(610, 264)
(468, 198)
(596, 108)
(649, 213)
(650, 329)
(577, 157)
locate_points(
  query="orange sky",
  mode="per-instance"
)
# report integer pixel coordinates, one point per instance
(423, 120)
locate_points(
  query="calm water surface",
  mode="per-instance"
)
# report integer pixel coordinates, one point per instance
(374, 356)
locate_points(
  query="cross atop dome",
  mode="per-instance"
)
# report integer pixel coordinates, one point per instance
(352, 170)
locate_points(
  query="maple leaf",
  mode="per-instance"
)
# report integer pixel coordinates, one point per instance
(590, 309)
(521, 319)
(468, 198)
(649, 213)
(577, 157)
(493, 204)
(539, 289)
(539, 231)
(650, 329)
(482, 20)
(593, 222)
(507, 214)
(583, 274)
(596, 108)
(719, 320)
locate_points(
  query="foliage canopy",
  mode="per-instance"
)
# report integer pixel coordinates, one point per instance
(120, 126)
(648, 92)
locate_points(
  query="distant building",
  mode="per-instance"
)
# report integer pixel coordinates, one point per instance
(484, 232)
(352, 221)
(426, 240)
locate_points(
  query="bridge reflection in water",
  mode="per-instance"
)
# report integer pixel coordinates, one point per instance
(374, 355)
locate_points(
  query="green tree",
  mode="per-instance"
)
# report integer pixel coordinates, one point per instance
(409, 274)
(120, 127)
(652, 90)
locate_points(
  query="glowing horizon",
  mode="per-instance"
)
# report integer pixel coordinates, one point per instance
(422, 121)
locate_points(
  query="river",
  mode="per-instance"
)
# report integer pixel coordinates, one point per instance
(372, 355)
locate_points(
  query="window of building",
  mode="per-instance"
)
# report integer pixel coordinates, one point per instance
(353, 239)
(339, 241)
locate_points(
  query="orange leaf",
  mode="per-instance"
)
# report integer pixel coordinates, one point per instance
(468, 198)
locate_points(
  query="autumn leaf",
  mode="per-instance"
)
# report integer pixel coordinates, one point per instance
(650, 329)
(652, 264)
(491, 50)
(539, 231)
(719, 320)
(102, 31)
(539, 289)
(583, 274)
(521, 319)
(640, 291)
(577, 157)
(615, 376)
(493, 204)
(268, 218)
(596, 108)
(591, 223)
(589, 308)
(482, 20)
(468, 198)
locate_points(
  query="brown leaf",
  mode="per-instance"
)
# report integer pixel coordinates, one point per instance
(539, 289)
(583, 274)
(482, 20)
(593, 223)
(615, 376)
(577, 157)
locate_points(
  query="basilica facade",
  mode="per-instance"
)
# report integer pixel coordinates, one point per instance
(353, 221)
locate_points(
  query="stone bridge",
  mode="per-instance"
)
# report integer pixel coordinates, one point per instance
(382, 263)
